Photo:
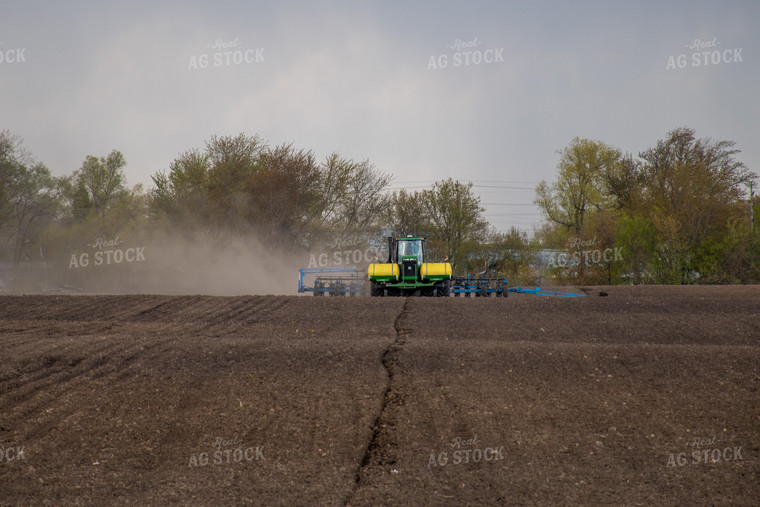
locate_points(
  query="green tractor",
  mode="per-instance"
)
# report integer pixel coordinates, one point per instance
(406, 273)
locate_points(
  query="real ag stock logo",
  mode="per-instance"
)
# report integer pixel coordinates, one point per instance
(463, 53)
(106, 252)
(226, 452)
(11, 55)
(226, 53)
(587, 252)
(704, 451)
(704, 53)
(11, 453)
(465, 451)
(344, 251)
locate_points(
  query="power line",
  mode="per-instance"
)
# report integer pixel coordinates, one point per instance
(509, 188)
(508, 181)
(473, 181)
(474, 186)
(505, 204)
(515, 215)
(509, 184)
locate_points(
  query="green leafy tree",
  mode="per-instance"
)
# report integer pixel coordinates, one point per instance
(281, 195)
(589, 174)
(182, 194)
(81, 203)
(29, 197)
(456, 217)
(694, 189)
(676, 212)
(510, 254)
(584, 169)
(351, 195)
(9, 168)
(448, 215)
(239, 183)
(406, 214)
(636, 238)
(234, 161)
(99, 183)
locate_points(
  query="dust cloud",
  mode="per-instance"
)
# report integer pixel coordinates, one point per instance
(225, 267)
(173, 263)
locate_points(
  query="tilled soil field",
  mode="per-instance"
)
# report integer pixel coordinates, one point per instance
(648, 396)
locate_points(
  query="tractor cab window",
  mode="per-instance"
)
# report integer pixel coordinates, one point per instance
(410, 248)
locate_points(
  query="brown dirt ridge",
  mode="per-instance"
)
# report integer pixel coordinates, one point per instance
(646, 396)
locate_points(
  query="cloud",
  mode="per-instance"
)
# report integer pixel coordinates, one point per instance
(353, 77)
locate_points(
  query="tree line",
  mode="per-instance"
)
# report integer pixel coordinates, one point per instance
(679, 212)
(676, 213)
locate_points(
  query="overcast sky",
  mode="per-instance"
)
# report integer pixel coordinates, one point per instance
(482, 91)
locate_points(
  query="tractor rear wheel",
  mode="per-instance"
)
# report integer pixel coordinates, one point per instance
(376, 291)
(443, 289)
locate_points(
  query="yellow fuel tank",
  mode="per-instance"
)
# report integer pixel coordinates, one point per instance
(385, 270)
(429, 269)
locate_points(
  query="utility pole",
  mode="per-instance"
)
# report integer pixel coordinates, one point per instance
(751, 208)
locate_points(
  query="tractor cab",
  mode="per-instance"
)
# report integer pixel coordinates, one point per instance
(410, 257)
(410, 247)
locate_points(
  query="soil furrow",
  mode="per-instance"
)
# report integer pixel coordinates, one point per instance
(378, 452)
